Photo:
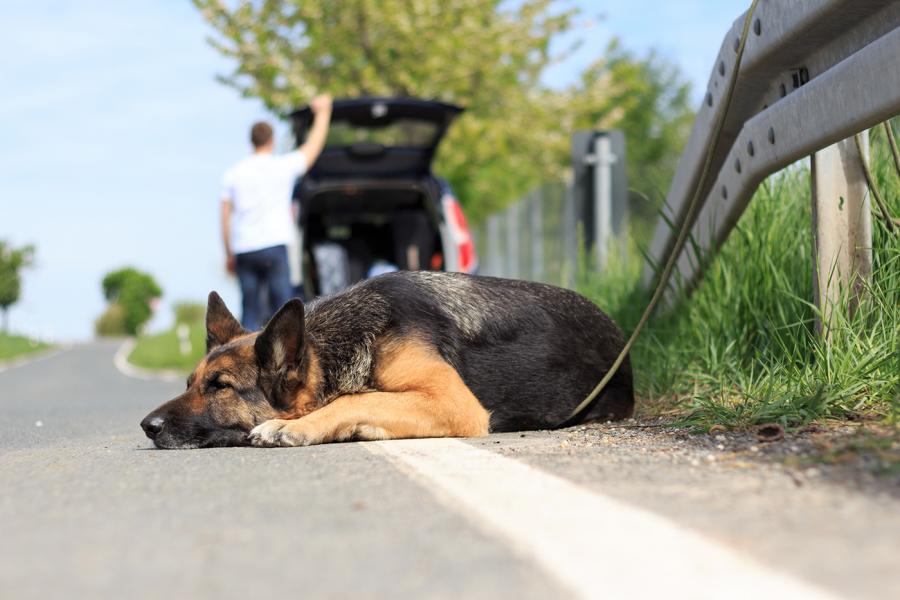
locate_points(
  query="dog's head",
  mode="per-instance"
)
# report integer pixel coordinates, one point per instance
(245, 379)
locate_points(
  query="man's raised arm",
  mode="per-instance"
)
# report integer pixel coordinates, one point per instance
(315, 141)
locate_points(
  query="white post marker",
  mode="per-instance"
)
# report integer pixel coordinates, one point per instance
(184, 338)
(602, 160)
(593, 545)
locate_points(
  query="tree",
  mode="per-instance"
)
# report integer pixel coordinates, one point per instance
(129, 293)
(649, 100)
(487, 55)
(11, 262)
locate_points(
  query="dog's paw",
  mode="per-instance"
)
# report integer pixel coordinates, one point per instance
(267, 434)
(279, 432)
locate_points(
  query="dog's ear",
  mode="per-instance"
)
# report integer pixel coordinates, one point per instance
(279, 347)
(221, 326)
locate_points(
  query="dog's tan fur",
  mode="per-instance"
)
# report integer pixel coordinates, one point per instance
(422, 396)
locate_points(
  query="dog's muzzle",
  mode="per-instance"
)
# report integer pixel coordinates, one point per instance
(152, 425)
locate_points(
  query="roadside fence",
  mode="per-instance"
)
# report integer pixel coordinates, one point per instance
(540, 237)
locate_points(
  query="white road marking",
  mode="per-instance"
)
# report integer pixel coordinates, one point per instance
(120, 360)
(594, 545)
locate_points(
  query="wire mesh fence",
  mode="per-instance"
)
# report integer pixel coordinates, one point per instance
(535, 238)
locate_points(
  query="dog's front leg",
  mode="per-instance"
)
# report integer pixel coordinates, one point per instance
(378, 416)
(330, 423)
(422, 396)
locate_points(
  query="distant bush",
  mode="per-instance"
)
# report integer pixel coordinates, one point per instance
(112, 322)
(11, 262)
(189, 313)
(133, 291)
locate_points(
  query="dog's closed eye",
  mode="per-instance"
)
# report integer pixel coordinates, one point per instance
(217, 383)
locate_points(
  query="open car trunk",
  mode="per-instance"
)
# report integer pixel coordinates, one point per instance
(355, 231)
(371, 204)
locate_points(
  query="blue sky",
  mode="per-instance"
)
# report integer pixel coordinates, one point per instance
(115, 135)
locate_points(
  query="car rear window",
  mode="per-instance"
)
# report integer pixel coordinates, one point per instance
(409, 133)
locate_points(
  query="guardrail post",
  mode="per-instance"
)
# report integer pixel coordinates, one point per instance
(842, 228)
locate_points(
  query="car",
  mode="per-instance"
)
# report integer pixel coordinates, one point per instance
(371, 204)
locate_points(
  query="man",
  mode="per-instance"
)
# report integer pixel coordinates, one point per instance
(257, 220)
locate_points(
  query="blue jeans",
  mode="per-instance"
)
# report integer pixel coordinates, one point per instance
(265, 284)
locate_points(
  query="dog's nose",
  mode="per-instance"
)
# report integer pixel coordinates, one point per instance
(152, 426)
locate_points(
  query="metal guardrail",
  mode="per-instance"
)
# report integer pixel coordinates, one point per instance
(814, 72)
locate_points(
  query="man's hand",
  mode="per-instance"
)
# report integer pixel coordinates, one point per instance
(321, 104)
(315, 141)
(231, 263)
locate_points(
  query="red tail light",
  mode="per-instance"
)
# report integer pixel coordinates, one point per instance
(462, 237)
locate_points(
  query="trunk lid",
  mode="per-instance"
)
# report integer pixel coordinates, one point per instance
(378, 137)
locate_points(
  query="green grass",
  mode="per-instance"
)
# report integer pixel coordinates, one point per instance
(742, 349)
(14, 346)
(161, 350)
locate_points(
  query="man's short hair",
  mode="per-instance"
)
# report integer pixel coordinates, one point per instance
(260, 134)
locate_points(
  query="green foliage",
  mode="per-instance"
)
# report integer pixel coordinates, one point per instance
(112, 322)
(487, 55)
(190, 313)
(131, 291)
(11, 262)
(163, 350)
(742, 349)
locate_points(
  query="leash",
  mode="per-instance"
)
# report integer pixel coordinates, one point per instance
(682, 234)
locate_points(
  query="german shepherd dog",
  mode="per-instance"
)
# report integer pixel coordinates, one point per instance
(403, 355)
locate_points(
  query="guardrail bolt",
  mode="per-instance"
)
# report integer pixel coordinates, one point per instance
(757, 27)
(724, 193)
(722, 68)
(709, 98)
(751, 149)
(771, 135)
(737, 44)
(800, 77)
(737, 165)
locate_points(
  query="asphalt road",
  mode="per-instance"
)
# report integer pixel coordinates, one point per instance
(89, 510)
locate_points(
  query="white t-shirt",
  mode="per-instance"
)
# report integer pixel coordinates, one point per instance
(260, 188)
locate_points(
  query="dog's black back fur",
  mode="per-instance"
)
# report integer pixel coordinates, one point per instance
(529, 352)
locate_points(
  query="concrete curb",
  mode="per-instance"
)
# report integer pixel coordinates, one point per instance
(36, 357)
(120, 360)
